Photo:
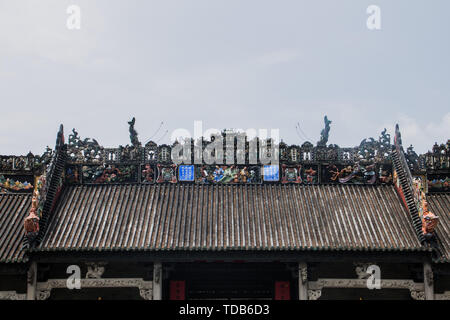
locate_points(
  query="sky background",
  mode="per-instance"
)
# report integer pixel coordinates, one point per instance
(229, 63)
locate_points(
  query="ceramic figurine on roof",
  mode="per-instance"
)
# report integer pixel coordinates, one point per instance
(385, 139)
(31, 225)
(362, 172)
(412, 158)
(10, 184)
(166, 173)
(233, 174)
(324, 133)
(133, 134)
(46, 157)
(310, 175)
(291, 174)
(147, 173)
(73, 137)
(385, 175)
(429, 221)
(129, 153)
(84, 150)
(109, 173)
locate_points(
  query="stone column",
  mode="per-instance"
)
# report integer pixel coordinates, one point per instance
(31, 281)
(428, 281)
(302, 281)
(157, 281)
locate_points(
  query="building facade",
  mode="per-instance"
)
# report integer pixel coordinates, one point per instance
(283, 222)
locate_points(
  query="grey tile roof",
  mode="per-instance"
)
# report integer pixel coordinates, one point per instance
(235, 217)
(13, 209)
(439, 204)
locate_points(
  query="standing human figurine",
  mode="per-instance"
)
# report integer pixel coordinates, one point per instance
(324, 133)
(133, 134)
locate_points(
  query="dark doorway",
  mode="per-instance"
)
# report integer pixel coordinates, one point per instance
(238, 280)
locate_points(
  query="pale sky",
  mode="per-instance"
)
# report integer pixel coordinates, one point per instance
(229, 63)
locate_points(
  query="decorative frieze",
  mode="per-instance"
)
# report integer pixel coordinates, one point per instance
(145, 287)
(106, 174)
(167, 173)
(291, 174)
(367, 163)
(14, 184)
(12, 295)
(148, 173)
(315, 287)
(418, 295)
(222, 174)
(442, 296)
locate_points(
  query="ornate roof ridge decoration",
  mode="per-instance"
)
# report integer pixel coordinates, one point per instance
(435, 161)
(90, 151)
(91, 163)
(86, 150)
(412, 190)
(46, 191)
(438, 159)
(435, 165)
(12, 185)
(29, 164)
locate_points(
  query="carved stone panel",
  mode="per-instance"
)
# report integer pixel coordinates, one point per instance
(145, 287)
(12, 295)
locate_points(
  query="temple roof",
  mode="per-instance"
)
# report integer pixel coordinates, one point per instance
(13, 209)
(230, 217)
(324, 197)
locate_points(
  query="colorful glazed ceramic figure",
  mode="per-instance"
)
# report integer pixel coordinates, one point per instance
(429, 221)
